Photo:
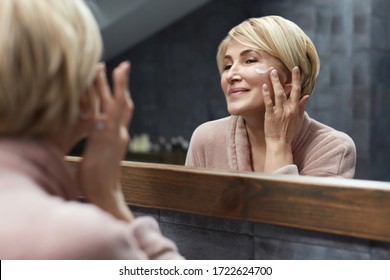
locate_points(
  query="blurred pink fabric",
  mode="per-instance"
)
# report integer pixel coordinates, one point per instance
(42, 219)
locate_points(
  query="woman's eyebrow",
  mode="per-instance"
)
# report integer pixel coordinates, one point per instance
(243, 53)
(229, 57)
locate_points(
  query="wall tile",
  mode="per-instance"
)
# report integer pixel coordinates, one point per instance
(202, 244)
(380, 251)
(206, 222)
(293, 235)
(272, 249)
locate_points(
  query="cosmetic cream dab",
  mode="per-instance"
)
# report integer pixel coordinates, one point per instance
(261, 70)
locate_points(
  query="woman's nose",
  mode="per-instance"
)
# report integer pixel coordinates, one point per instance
(233, 75)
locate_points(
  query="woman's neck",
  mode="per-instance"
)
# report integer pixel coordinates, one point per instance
(255, 129)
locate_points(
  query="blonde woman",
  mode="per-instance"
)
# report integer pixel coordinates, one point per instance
(268, 69)
(52, 93)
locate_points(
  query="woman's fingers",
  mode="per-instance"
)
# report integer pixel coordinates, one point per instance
(128, 114)
(296, 85)
(279, 92)
(117, 106)
(120, 78)
(269, 106)
(102, 87)
(122, 94)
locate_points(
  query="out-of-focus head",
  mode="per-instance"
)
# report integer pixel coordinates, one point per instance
(48, 55)
(280, 38)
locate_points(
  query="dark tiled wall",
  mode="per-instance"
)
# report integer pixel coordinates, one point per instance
(175, 82)
(380, 91)
(208, 238)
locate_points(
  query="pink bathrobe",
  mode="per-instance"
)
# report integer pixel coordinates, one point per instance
(319, 150)
(41, 218)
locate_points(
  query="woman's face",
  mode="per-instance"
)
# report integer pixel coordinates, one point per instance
(245, 71)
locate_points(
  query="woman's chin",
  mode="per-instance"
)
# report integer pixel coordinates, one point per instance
(234, 110)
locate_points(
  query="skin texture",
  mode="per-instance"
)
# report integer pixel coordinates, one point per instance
(105, 125)
(269, 103)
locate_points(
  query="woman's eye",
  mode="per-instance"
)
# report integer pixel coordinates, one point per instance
(227, 67)
(250, 60)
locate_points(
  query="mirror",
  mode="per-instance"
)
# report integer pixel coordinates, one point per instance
(176, 86)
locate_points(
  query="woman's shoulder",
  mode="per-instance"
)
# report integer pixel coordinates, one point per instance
(211, 129)
(323, 141)
(222, 123)
(324, 151)
(328, 134)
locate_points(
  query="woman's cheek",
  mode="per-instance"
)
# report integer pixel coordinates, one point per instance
(224, 84)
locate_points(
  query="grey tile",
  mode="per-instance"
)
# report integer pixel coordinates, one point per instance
(271, 249)
(362, 7)
(287, 234)
(340, 70)
(361, 24)
(379, 29)
(362, 103)
(305, 16)
(361, 66)
(362, 170)
(381, 7)
(324, 21)
(361, 135)
(206, 222)
(380, 251)
(204, 244)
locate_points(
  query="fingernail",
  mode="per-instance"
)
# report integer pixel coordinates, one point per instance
(265, 87)
(274, 73)
(125, 64)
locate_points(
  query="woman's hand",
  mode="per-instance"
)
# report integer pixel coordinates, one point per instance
(283, 120)
(99, 172)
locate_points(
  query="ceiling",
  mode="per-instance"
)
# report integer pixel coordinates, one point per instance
(124, 23)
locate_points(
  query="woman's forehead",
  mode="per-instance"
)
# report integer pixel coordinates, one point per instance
(237, 48)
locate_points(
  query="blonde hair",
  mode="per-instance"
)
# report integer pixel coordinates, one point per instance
(48, 53)
(280, 38)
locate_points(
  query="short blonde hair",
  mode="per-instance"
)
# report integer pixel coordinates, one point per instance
(280, 38)
(48, 53)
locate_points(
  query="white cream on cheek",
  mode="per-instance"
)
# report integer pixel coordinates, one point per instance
(262, 70)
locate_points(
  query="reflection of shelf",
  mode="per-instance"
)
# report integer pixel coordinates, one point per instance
(172, 157)
(176, 156)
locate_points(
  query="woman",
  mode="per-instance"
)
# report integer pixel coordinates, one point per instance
(53, 93)
(268, 69)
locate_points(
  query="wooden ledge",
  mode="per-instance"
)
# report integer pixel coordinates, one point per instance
(357, 208)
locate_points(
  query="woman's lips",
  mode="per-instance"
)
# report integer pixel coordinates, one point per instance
(237, 91)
